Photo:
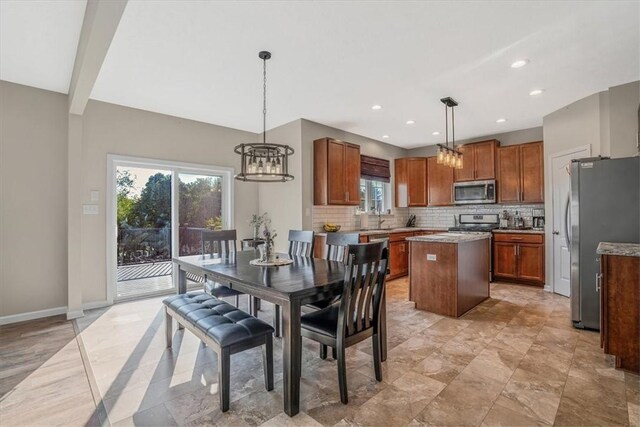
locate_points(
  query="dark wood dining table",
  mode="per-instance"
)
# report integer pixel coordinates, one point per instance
(304, 281)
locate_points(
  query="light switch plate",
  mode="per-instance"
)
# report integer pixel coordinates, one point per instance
(90, 209)
(95, 195)
(432, 257)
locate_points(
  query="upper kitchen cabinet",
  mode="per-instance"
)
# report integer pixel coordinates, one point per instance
(439, 183)
(479, 161)
(521, 173)
(336, 172)
(411, 182)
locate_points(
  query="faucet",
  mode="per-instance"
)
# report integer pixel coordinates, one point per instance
(380, 220)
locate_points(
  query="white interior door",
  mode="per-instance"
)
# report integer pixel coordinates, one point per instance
(561, 184)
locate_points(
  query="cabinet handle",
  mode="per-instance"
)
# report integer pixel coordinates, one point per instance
(515, 250)
(516, 238)
(598, 281)
(347, 193)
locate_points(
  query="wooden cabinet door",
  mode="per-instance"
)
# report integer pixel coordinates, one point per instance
(417, 181)
(467, 173)
(336, 173)
(532, 172)
(509, 174)
(485, 160)
(395, 258)
(352, 174)
(439, 183)
(505, 260)
(401, 183)
(531, 262)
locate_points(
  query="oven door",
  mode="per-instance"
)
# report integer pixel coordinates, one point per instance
(474, 192)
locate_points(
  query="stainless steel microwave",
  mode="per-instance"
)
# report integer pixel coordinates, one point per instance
(474, 192)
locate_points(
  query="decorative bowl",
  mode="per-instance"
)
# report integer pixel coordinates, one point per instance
(331, 228)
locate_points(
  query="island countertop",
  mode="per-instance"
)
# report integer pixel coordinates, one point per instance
(450, 237)
(622, 249)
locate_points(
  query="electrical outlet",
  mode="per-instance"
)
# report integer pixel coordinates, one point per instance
(432, 257)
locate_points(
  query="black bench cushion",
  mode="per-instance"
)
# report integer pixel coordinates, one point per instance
(221, 321)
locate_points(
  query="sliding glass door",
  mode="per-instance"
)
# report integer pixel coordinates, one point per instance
(158, 211)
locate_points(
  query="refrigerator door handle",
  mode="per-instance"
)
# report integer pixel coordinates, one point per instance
(566, 222)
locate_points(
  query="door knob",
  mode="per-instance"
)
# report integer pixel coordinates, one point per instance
(556, 232)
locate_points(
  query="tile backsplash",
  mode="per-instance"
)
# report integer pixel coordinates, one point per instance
(434, 217)
(346, 217)
(443, 217)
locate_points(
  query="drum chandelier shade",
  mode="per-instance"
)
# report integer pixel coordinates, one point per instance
(449, 156)
(262, 161)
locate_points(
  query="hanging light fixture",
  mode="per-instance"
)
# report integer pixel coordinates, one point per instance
(262, 161)
(449, 156)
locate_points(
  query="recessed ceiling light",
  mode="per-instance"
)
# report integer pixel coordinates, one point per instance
(520, 63)
(435, 133)
(501, 120)
(536, 92)
(385, 136)
(376, 107)
(410, 122)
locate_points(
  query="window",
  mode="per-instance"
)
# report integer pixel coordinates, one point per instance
(374, 195)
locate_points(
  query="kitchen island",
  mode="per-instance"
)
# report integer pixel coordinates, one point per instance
(449, 272)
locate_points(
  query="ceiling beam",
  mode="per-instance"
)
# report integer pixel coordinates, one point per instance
(101, 20)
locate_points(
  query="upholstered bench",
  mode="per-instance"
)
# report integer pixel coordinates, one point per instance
(225, 329)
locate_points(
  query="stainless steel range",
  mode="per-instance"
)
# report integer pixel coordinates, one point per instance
(475, 223)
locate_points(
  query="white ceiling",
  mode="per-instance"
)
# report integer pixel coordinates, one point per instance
(333, 60)
(38, 41)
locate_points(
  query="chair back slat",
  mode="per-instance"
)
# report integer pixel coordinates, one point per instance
(363, 287)
(221, 242)
(337, 244)
(301, 243)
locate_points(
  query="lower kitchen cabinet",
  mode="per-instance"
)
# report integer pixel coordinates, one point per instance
(519, 257)
(399, 257)
(620, 309)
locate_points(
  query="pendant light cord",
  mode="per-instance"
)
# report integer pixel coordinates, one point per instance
(446, 125)
(453, 128)
(264, 101)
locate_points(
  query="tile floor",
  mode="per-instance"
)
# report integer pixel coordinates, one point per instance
(514, 360)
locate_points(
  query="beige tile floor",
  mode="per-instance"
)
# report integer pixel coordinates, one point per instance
(515, 360)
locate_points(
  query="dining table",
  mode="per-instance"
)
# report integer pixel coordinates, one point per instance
(304, 281)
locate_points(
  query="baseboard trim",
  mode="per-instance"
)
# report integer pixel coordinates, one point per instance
(31, 315)
(74, 314)
(95, 304)
(39, 314)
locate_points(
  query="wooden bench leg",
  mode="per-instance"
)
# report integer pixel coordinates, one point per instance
(168, 328)
(224, 373)
(267, 362)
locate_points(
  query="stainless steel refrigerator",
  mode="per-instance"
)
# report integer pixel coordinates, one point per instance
(604, 207)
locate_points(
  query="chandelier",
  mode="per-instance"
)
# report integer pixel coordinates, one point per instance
(262, 161)
(449, 156)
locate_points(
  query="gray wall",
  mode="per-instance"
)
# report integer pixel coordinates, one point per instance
(623, 119)
(33, 199)
(283, 201)
(506, 138)
(312, 131)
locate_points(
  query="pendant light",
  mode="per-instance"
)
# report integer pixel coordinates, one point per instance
(449, 156)
(262, 161)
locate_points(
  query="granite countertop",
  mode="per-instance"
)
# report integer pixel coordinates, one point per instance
(450, 237)
(515, 230)
(386, 231)
(623, 249)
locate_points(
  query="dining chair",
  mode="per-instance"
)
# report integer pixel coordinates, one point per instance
(337, 250)
(222, 243)
(356, 316)
(301, 243)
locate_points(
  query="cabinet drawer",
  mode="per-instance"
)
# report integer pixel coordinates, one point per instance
(518, 238)
(398, 237)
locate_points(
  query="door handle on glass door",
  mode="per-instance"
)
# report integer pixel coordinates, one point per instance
(598, 281)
